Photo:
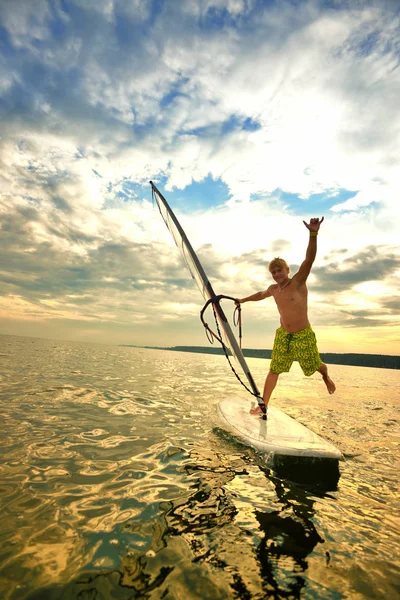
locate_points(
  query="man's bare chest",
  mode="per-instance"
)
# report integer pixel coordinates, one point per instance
(289, 300)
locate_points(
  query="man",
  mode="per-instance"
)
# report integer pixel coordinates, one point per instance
(294, 340)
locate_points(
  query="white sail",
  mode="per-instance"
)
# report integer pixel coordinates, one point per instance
(203, 284)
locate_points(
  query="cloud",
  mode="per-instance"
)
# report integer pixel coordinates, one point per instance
(263, 97)
(320, 79)
(392, 305)
(366, 318)
(370, 264)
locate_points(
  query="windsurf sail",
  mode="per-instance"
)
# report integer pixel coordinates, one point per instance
(226, 337)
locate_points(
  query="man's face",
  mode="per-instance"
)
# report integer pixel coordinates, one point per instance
(280, 274)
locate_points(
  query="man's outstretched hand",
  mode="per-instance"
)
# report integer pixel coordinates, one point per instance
(314, 224)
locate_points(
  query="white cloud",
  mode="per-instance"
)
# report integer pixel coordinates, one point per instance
(25, 21)
(202, 7)
(123, 95)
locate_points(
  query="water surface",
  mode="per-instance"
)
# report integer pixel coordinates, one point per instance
(118, 482)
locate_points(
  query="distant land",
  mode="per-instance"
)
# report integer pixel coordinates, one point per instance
(381, 361)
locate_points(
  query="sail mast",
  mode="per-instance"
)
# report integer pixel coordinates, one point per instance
(203, 282)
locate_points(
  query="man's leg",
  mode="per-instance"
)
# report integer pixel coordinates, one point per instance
(269, 387)
(306, 352)
(330, 386)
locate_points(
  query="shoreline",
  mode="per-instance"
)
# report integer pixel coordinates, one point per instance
(380, 361)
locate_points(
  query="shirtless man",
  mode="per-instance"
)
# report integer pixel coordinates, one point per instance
(294, 340)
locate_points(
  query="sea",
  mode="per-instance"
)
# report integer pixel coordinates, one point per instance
(117, 480)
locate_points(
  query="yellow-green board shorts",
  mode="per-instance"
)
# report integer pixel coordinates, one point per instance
(300, 346)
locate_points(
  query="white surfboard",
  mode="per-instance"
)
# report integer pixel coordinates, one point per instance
(279, 434)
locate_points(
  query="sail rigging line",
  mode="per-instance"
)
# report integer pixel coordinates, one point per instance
(205, 287)
(237, 321)
(225, 348)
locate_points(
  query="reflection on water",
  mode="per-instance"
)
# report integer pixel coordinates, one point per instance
(116, 482)
(210, 544)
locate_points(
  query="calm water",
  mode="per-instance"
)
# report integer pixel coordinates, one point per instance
(116, 481)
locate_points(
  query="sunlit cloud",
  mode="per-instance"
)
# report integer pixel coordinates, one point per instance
(291, 109)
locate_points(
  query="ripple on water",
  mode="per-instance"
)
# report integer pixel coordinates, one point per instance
(116, 482)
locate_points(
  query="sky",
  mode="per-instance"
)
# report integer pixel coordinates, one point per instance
(249, 115)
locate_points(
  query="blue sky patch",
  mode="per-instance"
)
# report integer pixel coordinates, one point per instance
(233, 123)
(250, 124)
(216, 19)
(169, 98)
(238, 123)
(209, 193)
(316, 203)
(196, 196)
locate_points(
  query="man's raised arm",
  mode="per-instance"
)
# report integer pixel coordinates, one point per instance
(305, 268)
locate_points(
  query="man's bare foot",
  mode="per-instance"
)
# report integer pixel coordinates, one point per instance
(331, 387)
(256, 411)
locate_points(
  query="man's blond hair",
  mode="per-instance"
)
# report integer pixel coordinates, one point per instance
(278, 262)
